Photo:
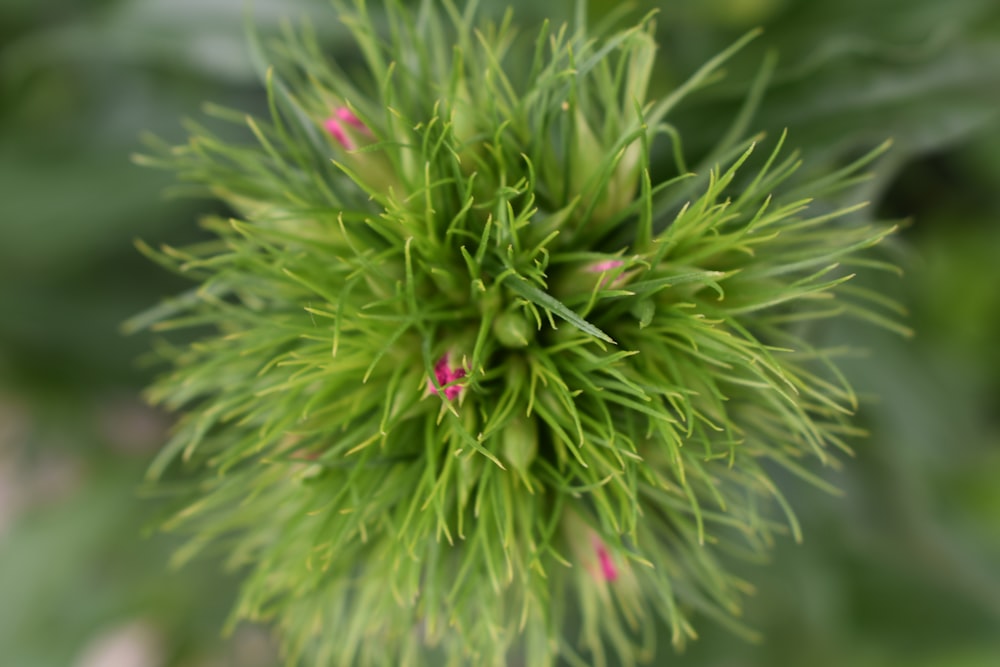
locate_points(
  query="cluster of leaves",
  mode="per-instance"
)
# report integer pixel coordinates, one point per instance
(632, 349)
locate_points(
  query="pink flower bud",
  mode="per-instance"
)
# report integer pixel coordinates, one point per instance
(348, 116)
(608, 266)
(336, 130)
(608, 569)
(337, 125)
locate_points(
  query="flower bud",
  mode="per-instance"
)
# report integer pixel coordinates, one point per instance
(513, 329)
(520, 443)
(339, 126)
(607, 568)
(351, 133)
(583, 278)
(587, 174)
(464, 128)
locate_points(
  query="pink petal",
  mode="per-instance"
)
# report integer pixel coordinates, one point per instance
(336, 130)
(444, 374)
(608, 569)
(453, 391)
(607, 265)
(349, 117)
(441, 371)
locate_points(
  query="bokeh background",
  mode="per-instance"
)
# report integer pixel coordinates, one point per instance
(903, 569)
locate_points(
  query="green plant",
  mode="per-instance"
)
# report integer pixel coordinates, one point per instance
(465, 366)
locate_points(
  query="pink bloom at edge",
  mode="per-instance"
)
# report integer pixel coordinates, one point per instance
(445, 374)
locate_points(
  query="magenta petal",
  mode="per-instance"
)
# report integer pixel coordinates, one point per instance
(608, 265)
(441, 372)
(608, 569)
(349, 117)
(336, 130)
(444, 374)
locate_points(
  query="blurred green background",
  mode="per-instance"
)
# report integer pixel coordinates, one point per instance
(902, 570)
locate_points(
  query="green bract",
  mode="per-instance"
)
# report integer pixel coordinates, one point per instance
(467, 373)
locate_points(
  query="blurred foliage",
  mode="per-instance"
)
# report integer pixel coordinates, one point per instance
(902, 570)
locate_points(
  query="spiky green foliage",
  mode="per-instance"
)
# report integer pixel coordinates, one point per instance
(625, 354)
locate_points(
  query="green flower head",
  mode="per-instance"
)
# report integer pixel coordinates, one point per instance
(480, 369)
